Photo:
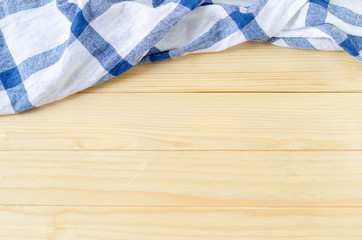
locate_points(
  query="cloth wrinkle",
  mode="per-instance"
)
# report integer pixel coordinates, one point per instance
(50, 49)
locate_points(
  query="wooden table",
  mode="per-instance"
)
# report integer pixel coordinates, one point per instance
(256, 142)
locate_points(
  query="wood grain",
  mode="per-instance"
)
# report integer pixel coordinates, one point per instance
(199, 147)
(179, 178)
(248, 67)
(106, 223)
(182, 121)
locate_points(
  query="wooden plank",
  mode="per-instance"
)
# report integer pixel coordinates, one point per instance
(248, 67)
(161, 121)
(191, 178)
(106, 223)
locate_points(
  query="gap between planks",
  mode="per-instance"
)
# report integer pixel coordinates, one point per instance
(175, 207)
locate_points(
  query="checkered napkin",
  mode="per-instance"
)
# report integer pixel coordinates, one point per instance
(50, 49)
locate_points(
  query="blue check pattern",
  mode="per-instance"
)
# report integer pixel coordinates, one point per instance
(88, 42)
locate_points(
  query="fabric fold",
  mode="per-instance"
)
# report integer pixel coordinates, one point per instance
(52, 49)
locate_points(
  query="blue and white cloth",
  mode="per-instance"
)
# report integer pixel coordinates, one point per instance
(50, 49)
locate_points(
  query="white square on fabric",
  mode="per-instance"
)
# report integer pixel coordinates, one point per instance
(69, 75)
(275, 14)
(34, 31)
(126, 24)
(5, 106)
(298, 20)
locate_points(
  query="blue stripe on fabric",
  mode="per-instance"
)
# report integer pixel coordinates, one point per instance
(69, 10)
(349, 47)
(191, 4)
(247, 24)
(357, 41)
(41, 61)
(332, 31)
(156, 3)
(345, 14)
(298, 43)
(95, 8)
(8, 7)
(6, 60)
(241, 19)
(79, 24)
(157, 33)
(10, 78)
(8, 70)
(322, 3)
(120, 68)
(12, 82)
(254, 32)
(317, 12)
(91, 10)
(19, 98)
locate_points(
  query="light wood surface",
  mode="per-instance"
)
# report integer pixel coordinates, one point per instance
(248, 67)
(182, 178)
(198, 121)
(256, 142)
(109, 223)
